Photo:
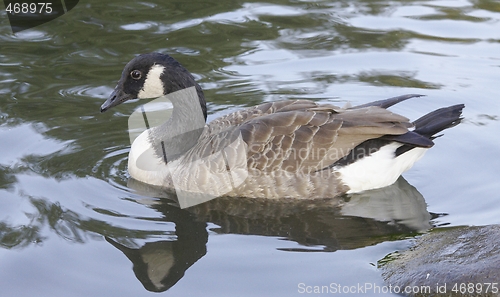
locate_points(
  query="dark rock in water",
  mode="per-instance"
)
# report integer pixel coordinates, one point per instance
(463, 261)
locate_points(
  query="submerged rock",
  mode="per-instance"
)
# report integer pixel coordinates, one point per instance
(463, 261)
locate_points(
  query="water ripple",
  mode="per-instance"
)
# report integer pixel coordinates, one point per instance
(99, 92)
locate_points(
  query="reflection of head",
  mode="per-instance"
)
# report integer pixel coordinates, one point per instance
(153, 264)
(160, 265)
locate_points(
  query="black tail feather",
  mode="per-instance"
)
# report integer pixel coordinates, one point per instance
(434, 122)
(438, 120)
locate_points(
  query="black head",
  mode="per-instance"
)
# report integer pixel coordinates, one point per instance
(150, 76)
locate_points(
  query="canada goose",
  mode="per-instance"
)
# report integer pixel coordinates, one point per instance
(292, 148)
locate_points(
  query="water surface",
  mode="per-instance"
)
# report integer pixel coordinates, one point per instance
(71, 225)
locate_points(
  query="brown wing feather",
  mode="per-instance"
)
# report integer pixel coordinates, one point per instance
(301, 135)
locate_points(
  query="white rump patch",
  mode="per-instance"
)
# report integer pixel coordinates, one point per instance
(380, 169)
(153, 86)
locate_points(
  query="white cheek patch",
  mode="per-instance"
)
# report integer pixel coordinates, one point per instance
(153, 86)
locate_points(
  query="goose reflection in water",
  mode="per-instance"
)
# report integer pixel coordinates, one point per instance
(320, 225)
(160, 265)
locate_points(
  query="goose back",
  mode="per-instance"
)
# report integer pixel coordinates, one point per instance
(286, 149)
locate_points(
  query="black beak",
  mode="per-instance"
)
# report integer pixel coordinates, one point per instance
(116, 98)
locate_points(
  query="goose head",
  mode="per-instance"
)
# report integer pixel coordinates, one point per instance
(150, 76)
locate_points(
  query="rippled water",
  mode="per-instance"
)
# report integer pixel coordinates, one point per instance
(71, 225)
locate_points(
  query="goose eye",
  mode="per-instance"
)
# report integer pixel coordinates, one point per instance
(136, 74)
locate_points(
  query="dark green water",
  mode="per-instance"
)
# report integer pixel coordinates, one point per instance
(63, 177)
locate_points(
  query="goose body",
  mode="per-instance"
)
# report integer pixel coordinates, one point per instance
(292, 148)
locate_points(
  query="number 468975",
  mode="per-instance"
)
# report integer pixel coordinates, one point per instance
(475, 288)
(29, 8)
